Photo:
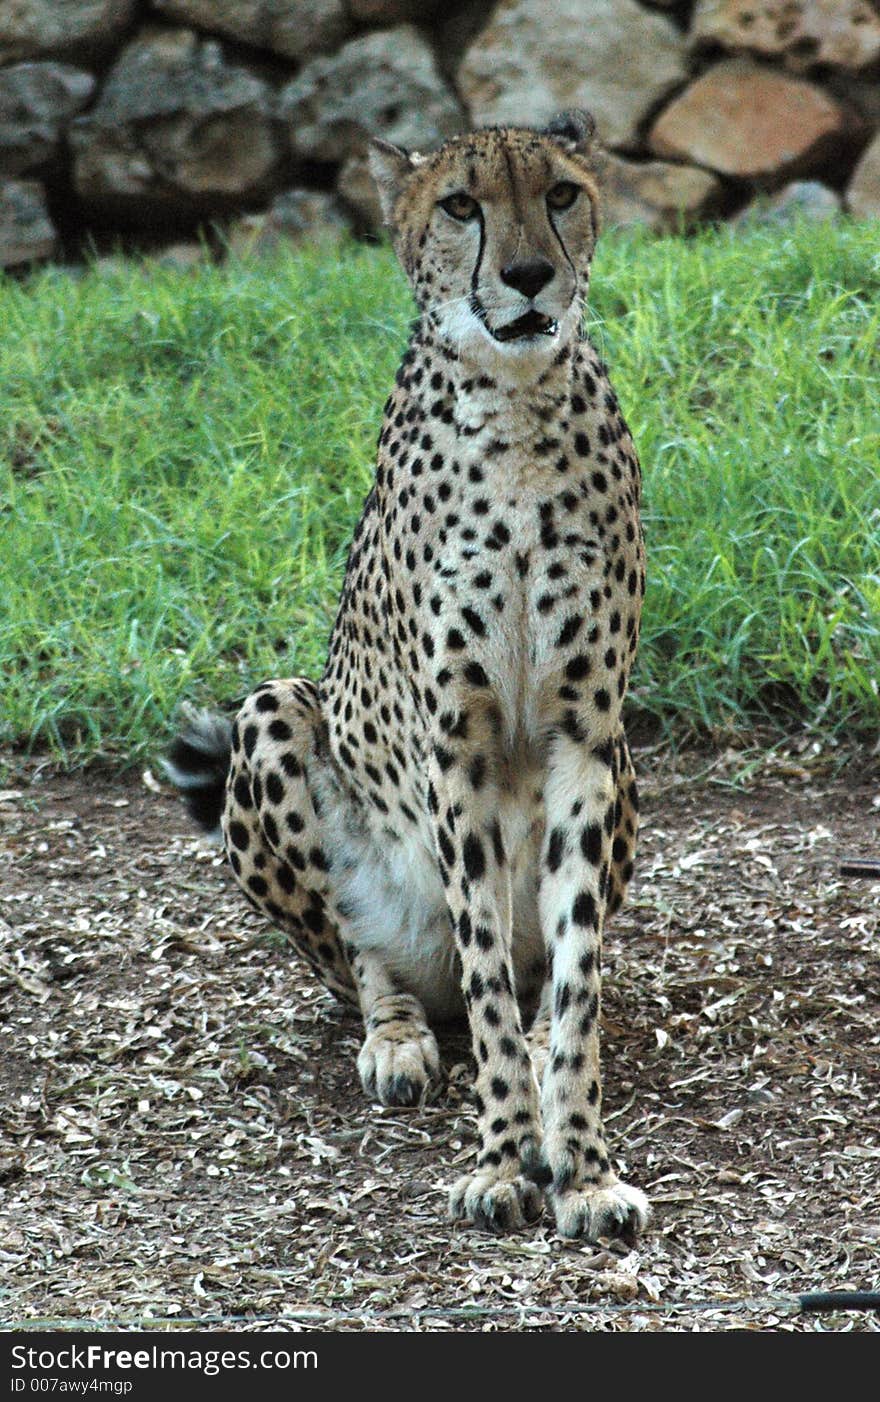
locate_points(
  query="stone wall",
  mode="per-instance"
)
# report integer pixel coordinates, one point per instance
(147, 120)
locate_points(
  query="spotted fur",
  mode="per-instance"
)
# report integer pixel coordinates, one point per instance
(445, 820)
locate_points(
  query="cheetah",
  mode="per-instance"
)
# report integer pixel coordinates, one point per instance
(444, 821)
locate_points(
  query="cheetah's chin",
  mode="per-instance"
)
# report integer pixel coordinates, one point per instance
(531, 323)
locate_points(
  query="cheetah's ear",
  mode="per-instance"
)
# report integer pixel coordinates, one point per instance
(576, 129)
(389, 167)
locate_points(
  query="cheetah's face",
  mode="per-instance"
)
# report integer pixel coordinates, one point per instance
(496, 231)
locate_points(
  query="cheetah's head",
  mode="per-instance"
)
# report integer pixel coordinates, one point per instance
(496, 232)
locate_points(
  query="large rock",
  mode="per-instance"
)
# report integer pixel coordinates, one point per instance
(863, 196)
(291, 28)
(183, 256)
(36, 102)
(750, 122)
(842, 33)
(382, 84)
(68, 28)
(656, 193)
(802, 199)
(609, 56)
(295, 216)
(26, 232)
(177, 125)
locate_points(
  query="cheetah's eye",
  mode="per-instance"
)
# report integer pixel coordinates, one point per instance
(563, 195)
(460, 206)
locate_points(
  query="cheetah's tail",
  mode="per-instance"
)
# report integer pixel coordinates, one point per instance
(198, 762)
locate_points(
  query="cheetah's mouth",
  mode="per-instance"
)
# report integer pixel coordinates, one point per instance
(531, 323)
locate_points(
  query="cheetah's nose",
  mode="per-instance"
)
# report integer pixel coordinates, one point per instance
(528, 278)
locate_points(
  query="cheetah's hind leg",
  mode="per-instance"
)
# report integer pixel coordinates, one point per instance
(277, 846)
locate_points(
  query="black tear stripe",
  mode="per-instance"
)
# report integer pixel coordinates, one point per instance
(476, 305)
(558, 238)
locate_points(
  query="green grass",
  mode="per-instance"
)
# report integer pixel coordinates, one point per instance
(183, 456)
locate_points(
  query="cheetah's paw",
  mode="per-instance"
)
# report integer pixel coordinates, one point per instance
(592, 1212)
(497, 1203)
(398, 1064)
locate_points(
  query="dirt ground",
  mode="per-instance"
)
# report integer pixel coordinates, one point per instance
(184, 1137)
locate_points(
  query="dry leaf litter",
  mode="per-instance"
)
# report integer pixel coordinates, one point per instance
(183, 1135)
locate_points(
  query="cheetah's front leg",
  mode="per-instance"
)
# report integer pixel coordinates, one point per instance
(501, 1193)
(580, 796)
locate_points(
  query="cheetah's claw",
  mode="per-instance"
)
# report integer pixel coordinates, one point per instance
(495, 1203)
(616, 1210)
(397, 1067)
